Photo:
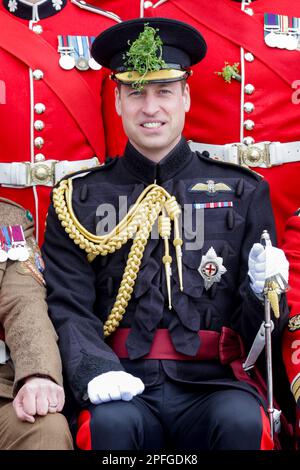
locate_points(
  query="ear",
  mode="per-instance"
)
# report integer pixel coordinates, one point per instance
(186, 98)
(117, 101)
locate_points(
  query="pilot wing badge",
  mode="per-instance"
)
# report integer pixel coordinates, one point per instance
(210, 187)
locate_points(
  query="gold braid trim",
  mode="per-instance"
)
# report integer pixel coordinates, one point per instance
(137, 224)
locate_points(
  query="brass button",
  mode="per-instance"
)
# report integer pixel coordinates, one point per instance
(37, 29)
(249, 89)
(37, 74)
(39, 108)
(249, 124)
(248, 140)
(249, 57)
(39, 157)
(248, 107)
(39, 125)
(39, 142)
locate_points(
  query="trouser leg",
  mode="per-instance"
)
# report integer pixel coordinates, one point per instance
(119, 425)
(50, 432)
(220, 420)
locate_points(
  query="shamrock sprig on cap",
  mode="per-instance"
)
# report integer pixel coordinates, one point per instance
(144, 55)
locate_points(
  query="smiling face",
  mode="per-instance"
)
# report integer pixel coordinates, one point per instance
(153, 119)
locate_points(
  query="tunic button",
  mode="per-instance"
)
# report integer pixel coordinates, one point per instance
(37, 74)
(249, 124)
(248, 107)
(39, 108)
(249, 89)
(148, 4)
(39, 125)
(249, 57)
(249, 11)
(39, 142)
(248, 140)
(37, 29)
(39, 157)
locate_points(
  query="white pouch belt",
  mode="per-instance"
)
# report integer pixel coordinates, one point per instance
(45, 173)
(260, 154)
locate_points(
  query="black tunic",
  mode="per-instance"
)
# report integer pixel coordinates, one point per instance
(81, 294)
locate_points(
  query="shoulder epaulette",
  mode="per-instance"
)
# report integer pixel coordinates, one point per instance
(243, 169)
(99, 11)
(109, 162)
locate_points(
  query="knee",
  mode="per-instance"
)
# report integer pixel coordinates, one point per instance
(240, 421)
(117, 417)
(238, 427)
(114, 425)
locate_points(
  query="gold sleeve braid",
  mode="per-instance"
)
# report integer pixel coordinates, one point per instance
(137, 224)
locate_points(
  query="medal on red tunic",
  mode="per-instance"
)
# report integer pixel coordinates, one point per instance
(66, 60)
(81, 51)
(75, 52)
(92, 63)
(281, 31)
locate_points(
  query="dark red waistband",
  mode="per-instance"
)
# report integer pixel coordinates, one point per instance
(224, 346)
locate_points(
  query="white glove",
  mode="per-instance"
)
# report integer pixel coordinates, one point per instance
(266, 262)
(114, 385)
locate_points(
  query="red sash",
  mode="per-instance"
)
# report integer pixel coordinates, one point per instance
(225, 346)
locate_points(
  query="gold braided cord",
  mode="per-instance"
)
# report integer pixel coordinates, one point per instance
(137, 224)
(164, 230)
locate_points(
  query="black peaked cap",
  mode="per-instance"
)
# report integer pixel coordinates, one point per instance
(183, 45)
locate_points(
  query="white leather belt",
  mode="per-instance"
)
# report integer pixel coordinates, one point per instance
(260, 154)
(45, 173)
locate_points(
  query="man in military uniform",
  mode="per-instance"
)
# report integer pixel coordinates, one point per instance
(153, 328)
(251, 117)
(31, 393)
(50, 97)
(291, 337)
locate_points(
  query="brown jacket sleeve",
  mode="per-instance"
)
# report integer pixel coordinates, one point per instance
(29, 333)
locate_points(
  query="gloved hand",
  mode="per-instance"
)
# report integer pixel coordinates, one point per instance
(266, 262)
(114, 385)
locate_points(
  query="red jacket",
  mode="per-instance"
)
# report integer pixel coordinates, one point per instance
(215, 116)
(291, 338)
(72, 118)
